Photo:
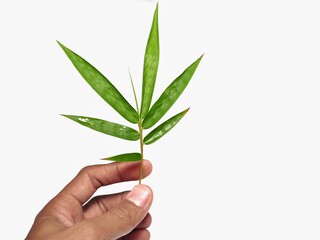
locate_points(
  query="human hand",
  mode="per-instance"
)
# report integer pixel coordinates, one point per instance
(70, 216)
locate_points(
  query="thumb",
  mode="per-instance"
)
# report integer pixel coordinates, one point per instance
(122, 219)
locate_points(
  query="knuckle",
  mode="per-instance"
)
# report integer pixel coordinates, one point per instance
(85, 170)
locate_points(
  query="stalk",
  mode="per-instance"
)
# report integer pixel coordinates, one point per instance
(140, 128)
(141, 151)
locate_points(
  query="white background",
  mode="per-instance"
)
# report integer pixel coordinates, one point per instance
(242, 164)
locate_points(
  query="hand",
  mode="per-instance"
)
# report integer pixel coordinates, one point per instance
(70, 216)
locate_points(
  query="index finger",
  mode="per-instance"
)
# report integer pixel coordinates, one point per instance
(90, 178)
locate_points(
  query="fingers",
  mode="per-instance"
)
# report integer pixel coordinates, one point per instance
(140, 234)
(101, 204)
(124, 218)
(145, 223)
(90, 178)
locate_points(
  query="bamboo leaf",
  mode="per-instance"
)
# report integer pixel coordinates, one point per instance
(102, 86)
(164, 128)
(150, 68)
(169, 96)
(134, 91)
(126, 157)
(109, 128)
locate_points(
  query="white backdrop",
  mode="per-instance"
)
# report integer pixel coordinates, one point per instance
(242, 164)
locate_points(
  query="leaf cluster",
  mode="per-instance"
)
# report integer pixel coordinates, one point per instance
(149, 114)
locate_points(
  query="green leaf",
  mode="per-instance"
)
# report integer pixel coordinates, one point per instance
(165, 127)
(150, 68)
(110, 128)
(169, 96)
(134, 91)
(102, 86)
(126, 157)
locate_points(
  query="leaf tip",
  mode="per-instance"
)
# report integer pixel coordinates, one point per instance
(60, 44)
(71, 117)
(156, 11)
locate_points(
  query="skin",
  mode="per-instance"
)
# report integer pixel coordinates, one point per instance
(74, 214)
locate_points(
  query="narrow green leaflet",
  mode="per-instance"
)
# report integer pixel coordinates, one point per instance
(126, 157)
(169, 96)
(110, 128)
(102, 86)
(165, 127)
(150, 68)
(134, 91)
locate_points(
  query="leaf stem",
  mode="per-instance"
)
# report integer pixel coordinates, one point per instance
(141, 150)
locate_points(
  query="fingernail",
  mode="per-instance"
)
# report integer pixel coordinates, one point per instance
(139, 195)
